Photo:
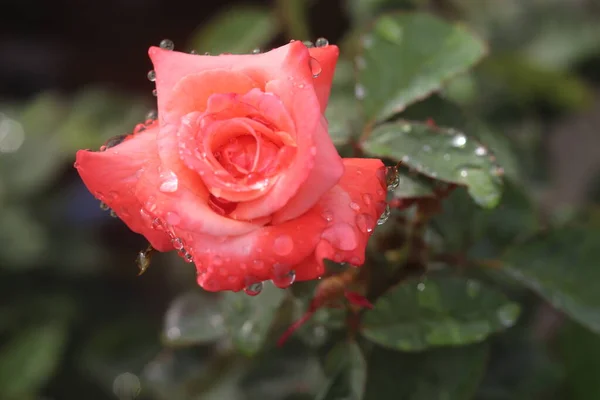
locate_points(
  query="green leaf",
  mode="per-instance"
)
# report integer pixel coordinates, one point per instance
(346, 368)
(193, 318)
(412, 185)
(248, 319)
(562, 266)
(237, 30)
(579, 350)
(28, 361)
(486, 233)
(447, 373)
(443, 311)
(444, 154)
(408, 56)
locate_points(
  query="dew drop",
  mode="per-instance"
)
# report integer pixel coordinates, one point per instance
(167, 44)
(169, 183)
(367, 198)
(421, 287)
(104, 206)
(113, 214)
(151, 76)
(253, 287)
(365, 223)
(172, 218)
(315, 67)
(308, 44)
(359, 91)
(464, 173)
(354, 205)
(385, 215)
(283, 245)
(481, 151)
(157, 223)
(177, 243)
(321, 42)
(327, 215)
(283, 278)
(152, 115)
(155, 93)
(459, 140)
(392, 178)
(187, 257)
(256, 51)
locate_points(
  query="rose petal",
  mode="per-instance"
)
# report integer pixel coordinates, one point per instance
(326, 172)
(112, 175)
(172, 66)
(334, 229)
(327, 58)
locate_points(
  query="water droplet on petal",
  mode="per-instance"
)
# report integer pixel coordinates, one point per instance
(367, 198)
(459, 140)
(104, 206)
(365, 223)
(283, 277)
(385, 215)
(152, 76)
(152, 114)
(113, 214)
(167, 44)
(481, 151)
(169, 183)
(354, 205)
(283, 245)
(308, 44)
(327, 215)
(172, 218)
(155, 93)
(177, 243)
(253, 287)
(315, 67)
(321, 42)
(256, 51)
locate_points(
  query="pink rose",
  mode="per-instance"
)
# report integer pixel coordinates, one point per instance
(239, 173)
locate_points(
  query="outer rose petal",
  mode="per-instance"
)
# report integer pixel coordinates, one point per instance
(112, 176)
(337, 228)
(172, 66)
(327, 171)
(327, 58)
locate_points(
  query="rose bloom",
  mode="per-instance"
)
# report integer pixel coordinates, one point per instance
(239, 173)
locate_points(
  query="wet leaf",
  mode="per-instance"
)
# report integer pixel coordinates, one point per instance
(447, 373)
(444, 154)
(194, 318)
(238, 30)
(400, 64)
(248, 319)
(346, 369)
(560, 265)
(442, 311)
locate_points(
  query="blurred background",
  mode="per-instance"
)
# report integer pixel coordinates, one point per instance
(73, 312)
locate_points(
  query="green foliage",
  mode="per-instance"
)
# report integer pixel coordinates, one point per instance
(477, 291)
(415, 316)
